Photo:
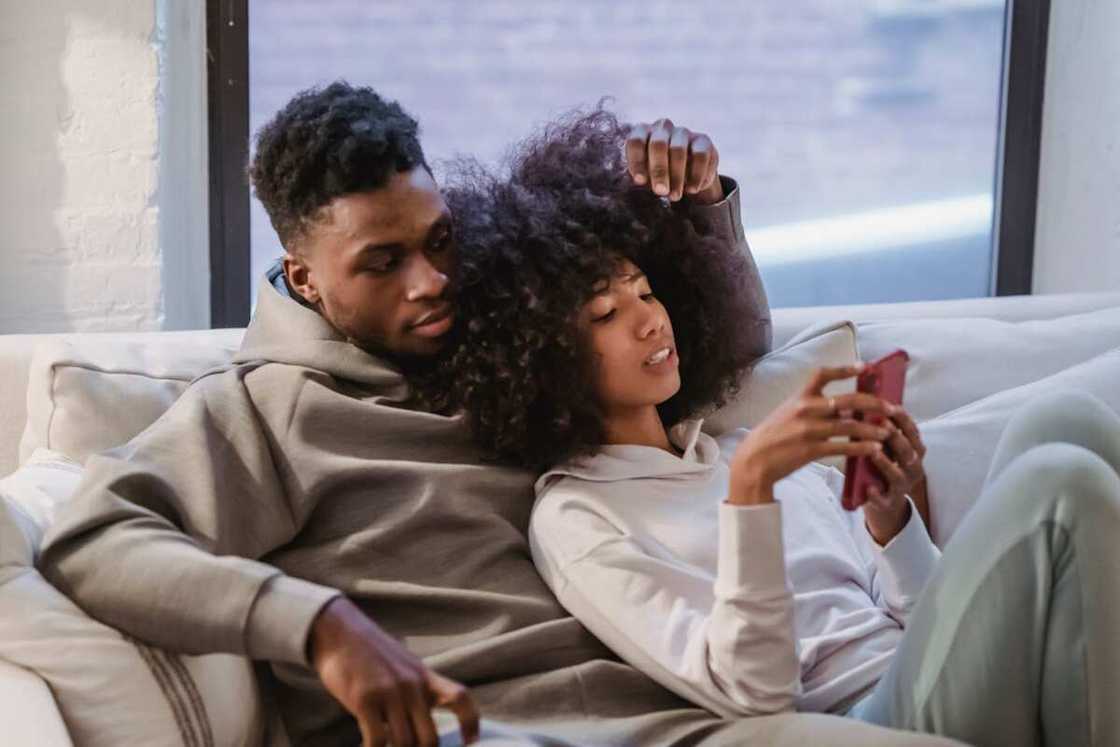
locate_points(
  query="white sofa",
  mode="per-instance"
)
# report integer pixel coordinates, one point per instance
(973, 360)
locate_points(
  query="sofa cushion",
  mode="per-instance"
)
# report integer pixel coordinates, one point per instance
(960, 444)
(113, 691)
(109, 689)
(776, 376)
(31, 495)
(86, 395)
(957, 361)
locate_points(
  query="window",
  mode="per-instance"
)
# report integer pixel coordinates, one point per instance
(867, 136)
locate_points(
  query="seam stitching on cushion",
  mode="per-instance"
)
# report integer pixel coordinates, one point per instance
(182, 720)
(194, 698)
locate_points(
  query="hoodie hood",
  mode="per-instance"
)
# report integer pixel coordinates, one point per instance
(627, 461)
(284, 331)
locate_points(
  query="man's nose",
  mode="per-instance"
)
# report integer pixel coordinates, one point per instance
(425, 280)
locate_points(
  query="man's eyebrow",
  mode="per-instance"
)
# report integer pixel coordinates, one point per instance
(442, 222)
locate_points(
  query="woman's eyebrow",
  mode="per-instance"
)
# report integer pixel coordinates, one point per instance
(629, 277)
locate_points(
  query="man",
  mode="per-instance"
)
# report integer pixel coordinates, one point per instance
(297, 506)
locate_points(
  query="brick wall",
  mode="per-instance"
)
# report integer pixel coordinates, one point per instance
(79, 244)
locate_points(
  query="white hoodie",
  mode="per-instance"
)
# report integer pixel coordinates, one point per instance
(795, 605)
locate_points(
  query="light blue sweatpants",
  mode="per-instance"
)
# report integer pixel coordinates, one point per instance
(1015, 640)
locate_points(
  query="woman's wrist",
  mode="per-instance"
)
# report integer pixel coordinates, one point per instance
(748, 490)
(884, 528)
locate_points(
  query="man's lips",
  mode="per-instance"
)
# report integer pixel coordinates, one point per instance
(434, 323)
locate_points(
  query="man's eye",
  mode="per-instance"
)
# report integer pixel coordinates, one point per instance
(443, 242)
(604, 317)
(381, 268)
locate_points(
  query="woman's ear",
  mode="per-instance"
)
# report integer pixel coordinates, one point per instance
(300, 277)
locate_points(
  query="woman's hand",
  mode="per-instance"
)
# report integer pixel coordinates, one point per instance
(901, 467)
(799, 431)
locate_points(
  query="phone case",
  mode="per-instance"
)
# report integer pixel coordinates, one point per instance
(884, 378)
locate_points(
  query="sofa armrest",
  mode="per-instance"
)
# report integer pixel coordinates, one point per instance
(28, 710)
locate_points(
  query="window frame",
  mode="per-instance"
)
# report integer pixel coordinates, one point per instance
(1026, 30)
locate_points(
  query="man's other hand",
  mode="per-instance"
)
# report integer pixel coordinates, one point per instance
(384, 686)
(674, 161)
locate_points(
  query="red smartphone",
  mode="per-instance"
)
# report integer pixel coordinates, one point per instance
(884, 378)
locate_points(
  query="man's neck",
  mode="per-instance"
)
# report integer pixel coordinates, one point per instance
(639, 427)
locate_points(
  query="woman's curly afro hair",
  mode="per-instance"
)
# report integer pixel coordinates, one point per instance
(532, 245)
(325, 143)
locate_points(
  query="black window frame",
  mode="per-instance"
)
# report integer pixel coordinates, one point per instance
(1026, 30)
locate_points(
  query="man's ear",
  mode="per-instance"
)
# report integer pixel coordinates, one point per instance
(299, 277)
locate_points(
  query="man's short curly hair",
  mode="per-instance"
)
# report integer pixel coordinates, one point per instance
(325, 143)
(531, 247)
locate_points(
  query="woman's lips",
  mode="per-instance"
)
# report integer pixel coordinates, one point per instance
(661, 360)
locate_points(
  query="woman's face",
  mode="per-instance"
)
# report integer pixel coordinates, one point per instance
(631, 340)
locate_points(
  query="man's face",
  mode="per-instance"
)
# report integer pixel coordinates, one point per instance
(376, 266)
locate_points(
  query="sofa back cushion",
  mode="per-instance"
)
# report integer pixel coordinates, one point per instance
(776, 376)
(957, 361)
(89, 394)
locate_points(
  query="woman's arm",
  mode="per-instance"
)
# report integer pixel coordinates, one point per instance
(726, 643)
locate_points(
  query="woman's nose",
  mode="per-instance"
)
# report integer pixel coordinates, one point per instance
(650, 321)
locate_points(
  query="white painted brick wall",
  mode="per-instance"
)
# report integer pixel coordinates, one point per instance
(79, 243)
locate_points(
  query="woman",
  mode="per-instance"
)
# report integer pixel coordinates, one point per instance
(601, 328)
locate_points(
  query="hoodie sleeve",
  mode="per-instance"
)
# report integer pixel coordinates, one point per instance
(726, 644)
(723, 220)
(163, 536)
(900, 568)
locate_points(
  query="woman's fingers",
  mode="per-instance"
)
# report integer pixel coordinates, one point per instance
(819, 449)
(891, 472)
(847, 427)
(829, 373)
(910, 430)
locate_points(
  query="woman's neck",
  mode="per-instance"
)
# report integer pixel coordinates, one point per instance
(639, 427)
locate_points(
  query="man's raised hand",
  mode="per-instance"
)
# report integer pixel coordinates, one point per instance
(674, 161)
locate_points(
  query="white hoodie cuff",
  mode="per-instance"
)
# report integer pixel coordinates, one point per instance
(751, 554)
(906, 561)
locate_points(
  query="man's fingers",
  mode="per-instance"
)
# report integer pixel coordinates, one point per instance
(419, 710)
(658, 156)
(372, 727)
(701, 152)
(457, 699)
(678, 161)
(637, 161)
(400, 725)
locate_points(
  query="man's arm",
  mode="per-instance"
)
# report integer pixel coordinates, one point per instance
(683, 166)
(162, 536)
(161, 542)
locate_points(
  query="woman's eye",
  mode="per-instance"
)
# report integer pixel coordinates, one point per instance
(604, 317)
(647, 297)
